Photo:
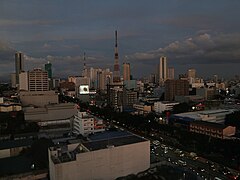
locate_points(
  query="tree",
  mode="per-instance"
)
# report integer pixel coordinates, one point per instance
(39, 152)
(180, 108)
(233, 119)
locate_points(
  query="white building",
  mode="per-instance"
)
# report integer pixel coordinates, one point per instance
(86, 124)
(162, 106)
(83, 123)
(23, 81)
(100, 159)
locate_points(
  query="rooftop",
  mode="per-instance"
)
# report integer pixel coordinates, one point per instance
(197, 114)
(95, 142)
(7, 144)
(112, 138)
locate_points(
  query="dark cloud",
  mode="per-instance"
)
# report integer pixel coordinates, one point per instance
(6, 60)
(199, 49)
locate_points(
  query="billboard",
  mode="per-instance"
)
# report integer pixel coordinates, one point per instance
(83, 89)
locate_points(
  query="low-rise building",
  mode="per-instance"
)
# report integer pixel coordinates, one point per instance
(52, 114)
(113, 155)
(162, 106)
(142, 108)
(216, 116)
(86, 124)
(212, 129)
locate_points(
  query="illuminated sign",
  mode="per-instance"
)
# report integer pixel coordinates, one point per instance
(83, 89)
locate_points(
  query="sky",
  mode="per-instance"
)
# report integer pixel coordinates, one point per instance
(204, 35)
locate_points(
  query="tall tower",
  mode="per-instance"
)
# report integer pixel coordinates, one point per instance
(84, 72)
(18, 65)
(48, 68)
(126, 71)
(116, 70)
(162, 70)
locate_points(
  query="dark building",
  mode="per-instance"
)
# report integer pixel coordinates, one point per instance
(19, 65)
(48, 68)
(176, 88)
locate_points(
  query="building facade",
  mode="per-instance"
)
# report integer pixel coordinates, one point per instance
(100, 159)
(162, 70)
(176, 88)
(48, 68)
(38, 80)
(170, 73)
(162, 106)
(19, 65)
(126, 71)
(212, 129)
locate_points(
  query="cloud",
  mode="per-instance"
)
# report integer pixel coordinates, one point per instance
(62, 65)
(17, 22)
(6, 59)
(199, 49)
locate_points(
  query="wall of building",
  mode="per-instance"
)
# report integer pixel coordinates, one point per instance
(4, 153)
(10, 107)
(106, 164)
(229, 131)
(57, 112)
(38, 98)
(160, 107)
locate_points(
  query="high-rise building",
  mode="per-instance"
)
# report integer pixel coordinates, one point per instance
(48, 68)
(38, 80)
(23, 81)
(162, 70)
(116, 70)
(176, 88)
(126, 71)
(171, 73)
(19, 65)
(192, 73)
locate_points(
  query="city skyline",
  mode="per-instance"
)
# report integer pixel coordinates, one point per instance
(191, 34)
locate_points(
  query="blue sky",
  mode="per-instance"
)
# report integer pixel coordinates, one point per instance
(204, 35)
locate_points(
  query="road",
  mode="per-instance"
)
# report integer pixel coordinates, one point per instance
(182, 159)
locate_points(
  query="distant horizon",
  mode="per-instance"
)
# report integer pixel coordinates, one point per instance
(192, 34)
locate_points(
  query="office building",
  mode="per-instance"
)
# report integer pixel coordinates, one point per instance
(171, 73)
(13, 80)
(192, 73)
(19, 65)
(115, 96)
(23, 81)
(126, 71)
(38, 80)
(104, 77)
(176, 88)
(48, 68)
(162, 70)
